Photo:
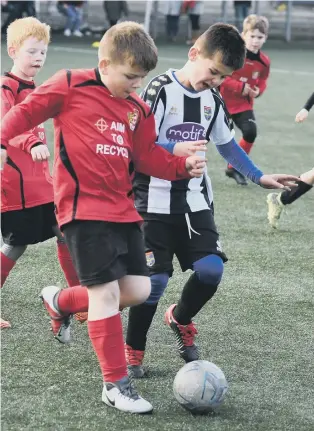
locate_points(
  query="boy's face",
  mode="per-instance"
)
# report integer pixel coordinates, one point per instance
(206, 73)
(121, 79)
(254, 40)
(30, 57)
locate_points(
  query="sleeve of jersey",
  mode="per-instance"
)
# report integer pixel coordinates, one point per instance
(25, 141)
(262, 82)
(221, 132)
(310, 103)
(151, 159)
(43, 103)
(233, 85)
(238, 158)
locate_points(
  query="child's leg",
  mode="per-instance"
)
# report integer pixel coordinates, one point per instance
(65, 259)
(277, 201)
(105, 261)
(246, 122)
(159, 241)
(200, 250)
(9, 255)
(105, 330)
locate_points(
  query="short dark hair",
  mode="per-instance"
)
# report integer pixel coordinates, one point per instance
(128, 42)
(225, 39)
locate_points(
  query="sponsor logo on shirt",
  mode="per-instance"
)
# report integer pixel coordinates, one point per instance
(207, 112)
(112, 150)
(255, 75)
(186, 132)
(101, 125)
(173, 111)
(133, 118)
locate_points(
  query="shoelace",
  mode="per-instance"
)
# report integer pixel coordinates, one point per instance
(129, 390)
(188, 333)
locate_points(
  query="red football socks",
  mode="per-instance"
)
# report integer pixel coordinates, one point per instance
(246, 146)
(73, 300)
(107, 339)
(6, 266)
(66, 264)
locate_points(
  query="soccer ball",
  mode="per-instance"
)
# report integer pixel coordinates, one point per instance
(200, 387)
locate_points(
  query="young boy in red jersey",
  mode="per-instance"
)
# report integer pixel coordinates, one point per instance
(27, 208)
(240, 90)
(277, 201)
(102, 130)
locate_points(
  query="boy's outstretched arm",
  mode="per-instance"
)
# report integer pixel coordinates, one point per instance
(27, 140)
(238, 158)
(43, 103)
(303, 114)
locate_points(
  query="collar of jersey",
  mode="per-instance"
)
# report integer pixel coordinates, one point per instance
(253, 55)
(173, 74)
(11, 75)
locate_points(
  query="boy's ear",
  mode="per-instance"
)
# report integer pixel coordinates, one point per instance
(103, 66)
(12, 52)
(193, 53)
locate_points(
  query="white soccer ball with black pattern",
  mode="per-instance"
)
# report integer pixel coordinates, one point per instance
(200, 387)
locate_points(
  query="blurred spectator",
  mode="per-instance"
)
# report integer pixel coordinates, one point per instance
(73, 10)
(172, 12)
(194, 9)
(115, 10)
(241, 9)
(16, 10)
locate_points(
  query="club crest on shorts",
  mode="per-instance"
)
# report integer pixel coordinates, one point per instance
(133, 117)
(150, 258)
(207, 113)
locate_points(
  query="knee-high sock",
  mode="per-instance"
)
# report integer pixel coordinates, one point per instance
(106, 336)
(66, 264)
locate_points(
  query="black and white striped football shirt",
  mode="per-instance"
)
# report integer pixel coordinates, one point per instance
(181, 115)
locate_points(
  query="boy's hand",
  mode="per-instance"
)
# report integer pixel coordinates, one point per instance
(278, 181)
(254, 92)
(301, 116)
(195, 165)
(189, 148)
(40, 153)
(3, 158)
(246, 90)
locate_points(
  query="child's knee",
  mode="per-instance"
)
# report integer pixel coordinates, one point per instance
(144, 290)
(249, 132)
(209, 269)
(158, 285)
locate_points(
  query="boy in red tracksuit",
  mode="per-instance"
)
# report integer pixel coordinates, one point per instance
(240, 90)
(27, 207)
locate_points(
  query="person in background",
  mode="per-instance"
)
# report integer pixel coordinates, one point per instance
(194, 9)
(73, 10)
(115, 10)
(172, 12)
(16, 10)
(241, 10)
